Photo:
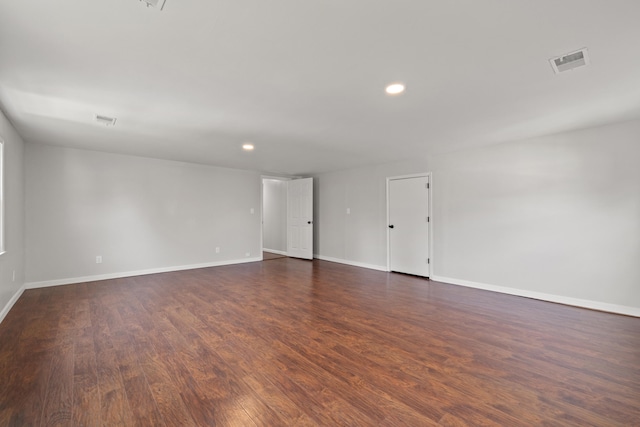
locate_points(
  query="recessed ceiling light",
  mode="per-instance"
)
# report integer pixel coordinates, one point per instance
(247, 147)
(395, 89)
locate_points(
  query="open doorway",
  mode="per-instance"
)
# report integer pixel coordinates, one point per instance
(287, 217)
(274, 218)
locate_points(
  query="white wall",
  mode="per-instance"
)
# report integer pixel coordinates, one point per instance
(274, 196)
(558, 215)
(13, 259)
(554, 218)
(137, 213)
(361, 236)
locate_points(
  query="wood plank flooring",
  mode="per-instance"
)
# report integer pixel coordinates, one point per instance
(291, 342)
(267, 256)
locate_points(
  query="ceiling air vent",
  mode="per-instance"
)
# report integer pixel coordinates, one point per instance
(570, 61)
(158, 4)
(104, 120)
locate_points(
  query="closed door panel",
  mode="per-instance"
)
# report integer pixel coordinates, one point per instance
(409, 225)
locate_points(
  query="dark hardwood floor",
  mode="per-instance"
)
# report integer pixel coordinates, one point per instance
(290, 342)
(268, 256)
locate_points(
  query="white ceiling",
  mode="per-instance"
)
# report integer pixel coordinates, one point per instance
(304, 80)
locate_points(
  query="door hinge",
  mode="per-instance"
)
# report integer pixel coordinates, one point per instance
(427, 185)
(428, 261)
(428, 219)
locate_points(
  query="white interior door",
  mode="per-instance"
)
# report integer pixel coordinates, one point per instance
(409, 225)
(300, 218)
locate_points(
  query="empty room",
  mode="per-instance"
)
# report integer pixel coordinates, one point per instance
(319, 213)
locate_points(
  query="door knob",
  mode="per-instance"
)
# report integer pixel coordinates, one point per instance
(309, 222)
(391, 226)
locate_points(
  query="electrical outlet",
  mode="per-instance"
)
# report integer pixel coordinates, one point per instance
(348, 211)
(217, 250)
(248, 254)
(99, 259)
(253, 211)
(14, 276)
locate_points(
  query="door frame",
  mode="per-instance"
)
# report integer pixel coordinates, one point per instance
(262, 178)
(429, 176)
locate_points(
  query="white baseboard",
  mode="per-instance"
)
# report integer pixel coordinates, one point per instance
(72, 280)
(576, 302)
(11, 302)
(275, 251)
(353, 263)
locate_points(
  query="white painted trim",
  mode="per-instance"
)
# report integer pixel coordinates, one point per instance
(3, 234)
(413, 175)
(275, 251)
(387, 225)
(583, 303)
(261, 213)
(11, 302)
(72, 280)
(430, 242)
(353, 263)
(276, 177)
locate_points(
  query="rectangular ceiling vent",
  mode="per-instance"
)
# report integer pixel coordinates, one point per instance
(570, 61)
(104, 120)
(158, 4)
